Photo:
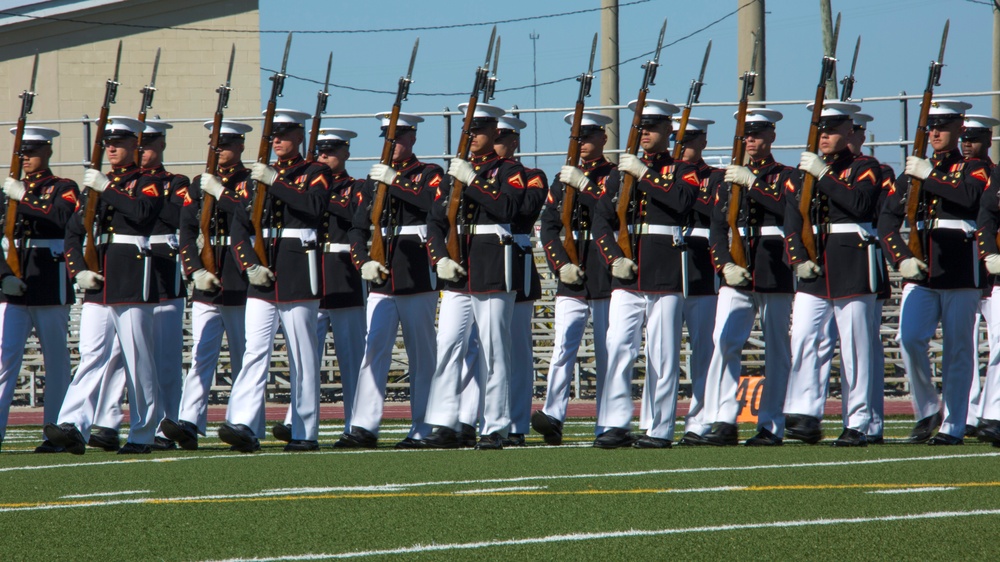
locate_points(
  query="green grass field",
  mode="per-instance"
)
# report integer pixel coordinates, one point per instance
(572, 502)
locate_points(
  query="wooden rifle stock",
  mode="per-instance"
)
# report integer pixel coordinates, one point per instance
(208, 202)
(10, 222)
(915, 192)
(90, 258)
(679, 139)
(625, 195)
(737, 249)
(455, 197)
(807, 191)
(378, 250)
(260, 189)
(569, 192)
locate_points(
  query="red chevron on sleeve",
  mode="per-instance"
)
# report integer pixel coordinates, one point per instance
(69, 196)
(790, 185)
(980, 174)
(516, 180)
(435, 181)
(868, 174)
(549, 198)
(692, 178)
(319, 179)
(151, 191)
(535, 182)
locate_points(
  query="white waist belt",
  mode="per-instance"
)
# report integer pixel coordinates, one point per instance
(303, 234)
(765, 231)
(659, 229)
(863, 228)
(169, 239)
(950, 224)
(523, 240)
(410, 230)
(332, 248)
(585, 235)
(54, 245)
(141, 242)
(696, 233)
(221, 240)
(476, 229)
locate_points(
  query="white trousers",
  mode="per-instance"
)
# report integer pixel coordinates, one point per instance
(110, 334)
(385, 315)
(460, 313)
(662, 315)
(990, 401)
(298, 322)
(51, 325)
(876, 396)
(809, 375)
(208, 325)
(469, 394)
(920, 311)
(348, 327)
(699, 315)
(571, 316)
(733, 321)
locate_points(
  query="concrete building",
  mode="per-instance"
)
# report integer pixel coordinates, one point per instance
(77, 41)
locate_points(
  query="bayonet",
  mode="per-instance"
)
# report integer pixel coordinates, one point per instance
(593, 54)
(489, 48)
(944, 42)
(30, 93)
(587, 79)
(650, 66)
(279, 78)
(694, 92)
(326, 84)
(696, 85)
(111, 89)
(848, 80)
(491, 84)
(836, 36)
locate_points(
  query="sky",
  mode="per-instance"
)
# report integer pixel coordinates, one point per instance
(899, 39)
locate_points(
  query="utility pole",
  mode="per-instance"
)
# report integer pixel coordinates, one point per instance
(750, 22)
(830, 33)
(534, 85)
(609, 65)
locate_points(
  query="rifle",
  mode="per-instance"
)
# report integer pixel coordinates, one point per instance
(693, 94)
(812, 145)
(10, 223)
(573, 159)
(915, 193)
(737, 248)
(625, 197)
(848, 81)
(379, 246)
(211, 169)
(263, 156)
(321, 98)
(481, 83)
(90, 258)
(147, 102)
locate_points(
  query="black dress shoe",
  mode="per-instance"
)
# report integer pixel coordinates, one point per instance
(104, 438)
(299, 445)
(163, 444)
(67, 436)
(764, 438)
(615, 438)
(513, 440)
(648, 442)
(722, 434)
(135, 449)
(441, 438)
(971, 430)
(945, 439)
(491, 442)
(49, 447)
(282, 432)
(691, 439)
(550, 428)
(851, 438)
(466, 436)
(183, 432)
(924, 429)
(357, 438)
(803, 428)
(875, 439)
(989, 431)
(239, 436)
(409, 443)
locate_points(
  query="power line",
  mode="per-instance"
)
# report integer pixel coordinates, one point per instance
(316, 31)
(533, 85)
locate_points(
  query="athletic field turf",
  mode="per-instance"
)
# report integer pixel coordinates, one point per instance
(572, 502)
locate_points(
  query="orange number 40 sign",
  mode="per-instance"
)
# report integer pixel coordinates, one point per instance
(748, 396)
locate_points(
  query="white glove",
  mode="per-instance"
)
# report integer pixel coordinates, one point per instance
(383, 174)
(918, 167)
(740, 175)
(88, 280)
(573, 176)
(95, 180)
(13, 188)
(260, 276)
(372, 271)
(735, 275)
(263, 173)
(447, 268)
(571, 274)
(211, 185)
(624, 268)
(813, 165)
(912, 268)
(807, 270)
(12, 286)
(205, 281)
(992, 262)
(462, 171)
(631, 165)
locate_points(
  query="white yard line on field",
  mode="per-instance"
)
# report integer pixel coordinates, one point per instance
(416, 549)
(914, 490)
(104, 494)
(501, 490)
